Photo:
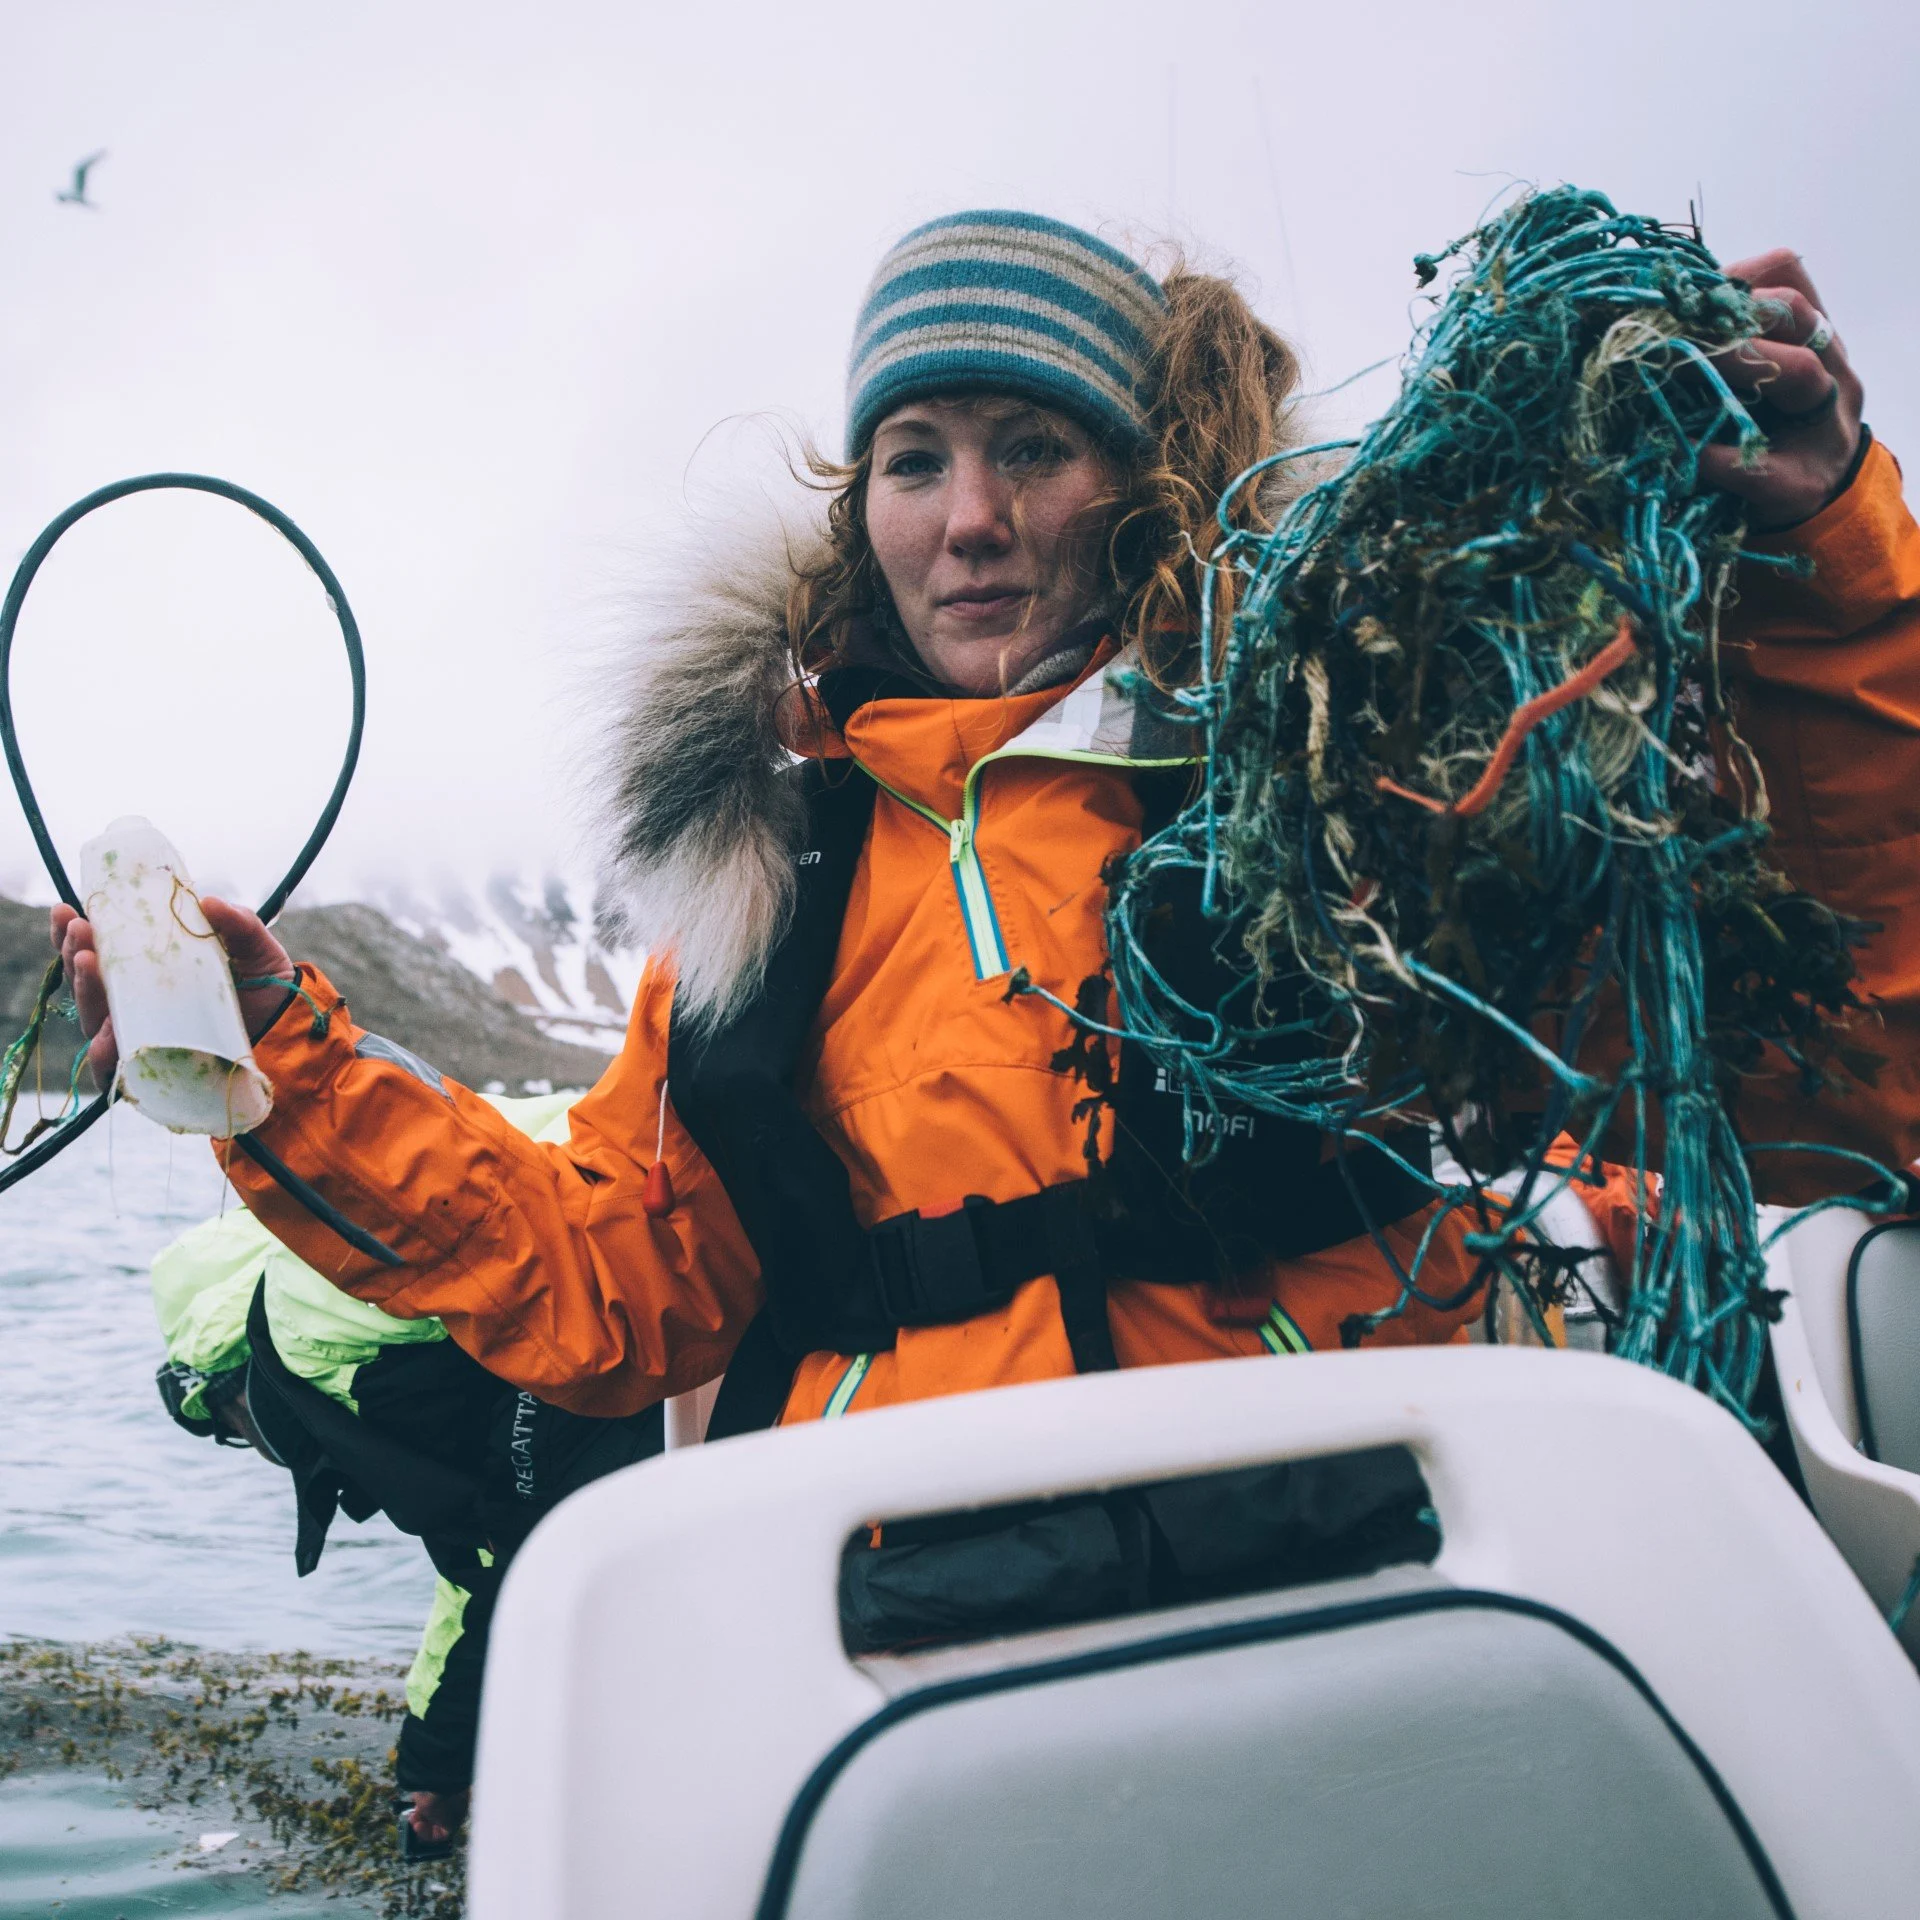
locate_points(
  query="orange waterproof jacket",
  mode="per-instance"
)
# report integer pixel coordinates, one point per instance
(932, 1084)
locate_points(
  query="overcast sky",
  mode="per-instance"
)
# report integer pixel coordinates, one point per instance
(467, 290)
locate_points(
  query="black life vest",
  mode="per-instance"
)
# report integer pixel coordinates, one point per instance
(1268, 1192)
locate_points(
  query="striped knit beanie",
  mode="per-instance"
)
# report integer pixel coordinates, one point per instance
(1013, 303)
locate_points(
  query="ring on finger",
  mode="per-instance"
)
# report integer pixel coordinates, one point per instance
(1821, 338)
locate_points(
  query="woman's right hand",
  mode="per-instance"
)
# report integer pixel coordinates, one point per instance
(252, 950)
(436, 1817)
(1796, 372)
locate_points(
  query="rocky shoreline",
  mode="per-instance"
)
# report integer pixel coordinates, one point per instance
(395, 983)
(274, 1765)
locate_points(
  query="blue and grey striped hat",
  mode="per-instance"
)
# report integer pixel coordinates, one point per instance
(1014, 303)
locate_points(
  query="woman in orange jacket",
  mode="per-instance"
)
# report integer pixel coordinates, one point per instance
(836, 1121)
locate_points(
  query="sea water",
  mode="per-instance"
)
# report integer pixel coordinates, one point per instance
(116, 1522)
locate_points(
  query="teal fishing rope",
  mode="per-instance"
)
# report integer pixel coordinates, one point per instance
(49, 1002)
(1415, 940)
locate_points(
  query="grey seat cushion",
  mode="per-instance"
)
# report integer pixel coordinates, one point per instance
(1466, 1762)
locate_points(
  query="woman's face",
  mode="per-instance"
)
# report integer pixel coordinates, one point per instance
(986, 590)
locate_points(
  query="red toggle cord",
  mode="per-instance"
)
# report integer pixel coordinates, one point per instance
(1616, 653)
(656, 1195)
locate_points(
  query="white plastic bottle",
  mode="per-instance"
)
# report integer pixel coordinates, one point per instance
(184, 1057)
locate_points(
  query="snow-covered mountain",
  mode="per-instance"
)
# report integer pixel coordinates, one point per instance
(503, 987)
(532, 943)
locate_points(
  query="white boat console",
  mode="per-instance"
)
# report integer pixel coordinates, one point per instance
(1636, 1678)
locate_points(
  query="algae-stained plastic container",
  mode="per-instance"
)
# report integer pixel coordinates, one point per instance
(184, 1057)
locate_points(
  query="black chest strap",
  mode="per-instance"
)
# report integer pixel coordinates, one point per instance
(1269, 1192)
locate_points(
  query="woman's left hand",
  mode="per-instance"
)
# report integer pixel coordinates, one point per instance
(1803, 392)
(252, 950)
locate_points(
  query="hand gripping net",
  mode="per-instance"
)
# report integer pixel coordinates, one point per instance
(1478, 833)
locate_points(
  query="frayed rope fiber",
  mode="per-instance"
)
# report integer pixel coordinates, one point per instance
(1473, 798)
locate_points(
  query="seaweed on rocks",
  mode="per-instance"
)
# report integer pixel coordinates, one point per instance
(299, 1748)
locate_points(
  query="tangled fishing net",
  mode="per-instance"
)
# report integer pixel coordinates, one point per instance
(1481, 839)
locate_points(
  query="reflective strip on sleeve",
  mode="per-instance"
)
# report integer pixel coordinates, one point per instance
(1279, 1333)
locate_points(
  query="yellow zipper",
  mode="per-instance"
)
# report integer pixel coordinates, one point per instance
(988, 950)
(977, 914)
(841, 1397)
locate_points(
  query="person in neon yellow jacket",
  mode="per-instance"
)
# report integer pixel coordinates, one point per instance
(369, 1413)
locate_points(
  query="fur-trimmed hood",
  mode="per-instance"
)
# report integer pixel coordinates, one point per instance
(695, 829)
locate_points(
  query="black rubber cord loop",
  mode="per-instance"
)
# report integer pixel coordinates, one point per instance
(316, 1204)
(23, 578)
(336, 600)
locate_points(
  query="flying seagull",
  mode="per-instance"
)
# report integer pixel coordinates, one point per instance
(76, 195)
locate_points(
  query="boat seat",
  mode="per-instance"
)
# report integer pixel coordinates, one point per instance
(1847, 1351)
(1635, 1677)
(1883, 1324)
(1488, 1761)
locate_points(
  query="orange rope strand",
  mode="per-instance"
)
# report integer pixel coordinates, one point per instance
(1616, 653)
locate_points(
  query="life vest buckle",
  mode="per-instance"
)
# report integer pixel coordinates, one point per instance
(930, 1270)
